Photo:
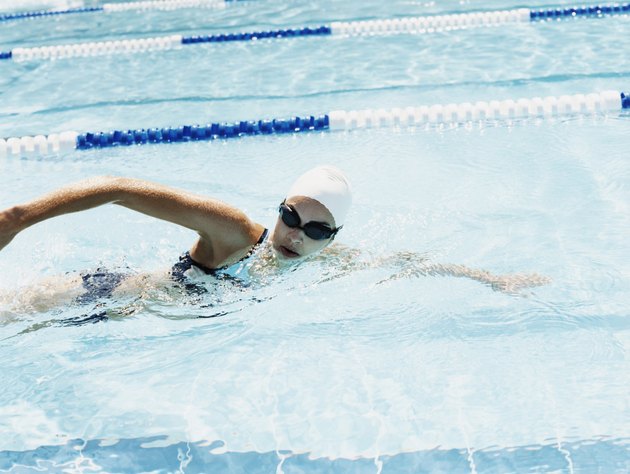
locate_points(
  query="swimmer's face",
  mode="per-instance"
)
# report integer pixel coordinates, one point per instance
(291, 243)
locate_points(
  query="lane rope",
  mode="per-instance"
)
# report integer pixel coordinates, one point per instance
(467, 112)
(409, 25)
(119, 7)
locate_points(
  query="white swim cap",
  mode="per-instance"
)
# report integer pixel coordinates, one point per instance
(328, 185)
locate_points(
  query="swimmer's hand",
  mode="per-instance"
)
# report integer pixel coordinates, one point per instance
(514, 283)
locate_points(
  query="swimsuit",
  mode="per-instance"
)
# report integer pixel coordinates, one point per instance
(102, 283)
(99, 284)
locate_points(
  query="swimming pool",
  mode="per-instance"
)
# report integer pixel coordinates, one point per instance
(319, 370)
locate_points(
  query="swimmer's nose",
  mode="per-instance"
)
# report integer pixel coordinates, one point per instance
(296, 235)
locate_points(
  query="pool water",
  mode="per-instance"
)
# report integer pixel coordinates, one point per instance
(319, 369)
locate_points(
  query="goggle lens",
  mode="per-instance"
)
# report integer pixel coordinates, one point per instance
(313, 230)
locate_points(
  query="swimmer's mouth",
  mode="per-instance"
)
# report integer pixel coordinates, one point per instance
(288, 253)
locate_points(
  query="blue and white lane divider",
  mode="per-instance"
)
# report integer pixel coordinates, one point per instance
(119, 7)
(409, 25)
(541, 14)
(578, 104)
(101, 48)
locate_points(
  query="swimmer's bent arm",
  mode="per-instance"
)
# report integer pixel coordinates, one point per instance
(223, 229)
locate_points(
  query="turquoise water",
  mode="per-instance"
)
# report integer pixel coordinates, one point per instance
(320, 370)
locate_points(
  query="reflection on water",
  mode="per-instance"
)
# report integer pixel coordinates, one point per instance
(161, 455)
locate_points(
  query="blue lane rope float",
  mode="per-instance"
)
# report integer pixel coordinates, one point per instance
(426, 115)
(408, 25)
(593, 10)
(254, 35)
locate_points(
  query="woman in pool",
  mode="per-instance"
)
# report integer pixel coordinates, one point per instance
(310, 216)
(308, 220)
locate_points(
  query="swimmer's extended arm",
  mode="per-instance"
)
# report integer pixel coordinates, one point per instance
(413, 265)
(223, 229)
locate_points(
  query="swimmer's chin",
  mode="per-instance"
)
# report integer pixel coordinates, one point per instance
(286, 261)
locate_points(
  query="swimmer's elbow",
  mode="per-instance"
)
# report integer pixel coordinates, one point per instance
(96, 191)
(118, 189)
(99, 184)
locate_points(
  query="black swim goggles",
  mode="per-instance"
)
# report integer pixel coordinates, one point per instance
(313, 230)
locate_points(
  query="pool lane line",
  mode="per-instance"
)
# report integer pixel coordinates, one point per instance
(540, 14)
(42, 13)
(408, 117)
(430, 24)
(159, 43)
(408, 25)
(119, 7)
(70, 140)
(467, 112)
(164, 5)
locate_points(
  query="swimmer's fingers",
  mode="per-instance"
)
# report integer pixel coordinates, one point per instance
(519, 281)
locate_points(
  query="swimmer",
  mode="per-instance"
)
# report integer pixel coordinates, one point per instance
(308, 220)
(313, 211)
